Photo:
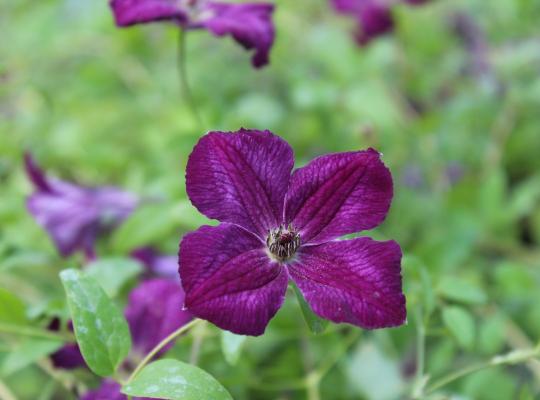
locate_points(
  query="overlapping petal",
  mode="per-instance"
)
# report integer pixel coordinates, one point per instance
(131, 12)
(229, 279)
(338, 194)
(154, 311)
(356, 281)
(241, 178)
(250, 24)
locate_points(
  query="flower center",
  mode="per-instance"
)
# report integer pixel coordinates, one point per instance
(283, 242)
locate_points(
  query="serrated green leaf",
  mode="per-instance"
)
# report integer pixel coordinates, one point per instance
(28, 352)
(100, 328)
(461, 325)
(113, 273)
(175, 380)
(231, 345)
(315, 323)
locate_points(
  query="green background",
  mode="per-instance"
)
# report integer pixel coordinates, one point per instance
(101, 105)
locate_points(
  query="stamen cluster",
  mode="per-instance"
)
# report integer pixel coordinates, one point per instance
(283, 242)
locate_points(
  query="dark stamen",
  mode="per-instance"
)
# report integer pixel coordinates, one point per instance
(283, 242)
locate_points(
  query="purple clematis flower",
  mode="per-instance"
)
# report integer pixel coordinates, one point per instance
(250, 24)
(374, 16)
(277, 226)
(109, 390)
(73, 215)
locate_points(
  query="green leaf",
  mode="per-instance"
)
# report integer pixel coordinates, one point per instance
(113, 273)
(461, 291)
(13, 309)
(461, 325)
(231, 345)
(315, 323)
(147, 224)
(100, 328)
(28, 352)
(172, 379)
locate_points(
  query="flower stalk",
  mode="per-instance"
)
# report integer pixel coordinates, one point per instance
(160, 346)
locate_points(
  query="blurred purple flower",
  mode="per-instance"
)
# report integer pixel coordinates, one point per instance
(74, 216)
(154, 311)
(276, 226)
(250, 24)
(156, 263)
(374, 16)
(69, 356)
(108, 390)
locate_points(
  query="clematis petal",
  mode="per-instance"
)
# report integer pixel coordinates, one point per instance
(230, 280)
(131, 12)
(338, 194)
(240, 177)
(74, 215)
(154, 311)
(356, 281)
(250, 24)
(71, 222)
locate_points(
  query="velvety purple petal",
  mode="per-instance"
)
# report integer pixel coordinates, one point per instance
(230, 280)
(130, 12)
(356, 281)
(154, 311)
(250, 24)
(240, 177)
(338, 194)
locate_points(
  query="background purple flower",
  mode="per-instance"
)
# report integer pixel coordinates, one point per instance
(276, 226)
(157, 264)
(374, 16)
(154, 311)
(250, 24)
(73, 215)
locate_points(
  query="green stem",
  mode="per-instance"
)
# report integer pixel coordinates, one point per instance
(184, 81)
(514, 357)
(38, 333)
(420, 380)
(160, 346)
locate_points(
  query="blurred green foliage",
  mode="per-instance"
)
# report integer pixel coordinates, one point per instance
(100, 105)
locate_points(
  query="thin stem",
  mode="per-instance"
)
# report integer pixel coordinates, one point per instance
(420, 380)
(160, 346)
(198, 338)
(184, 82)
(514, 357)
(38, 333)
